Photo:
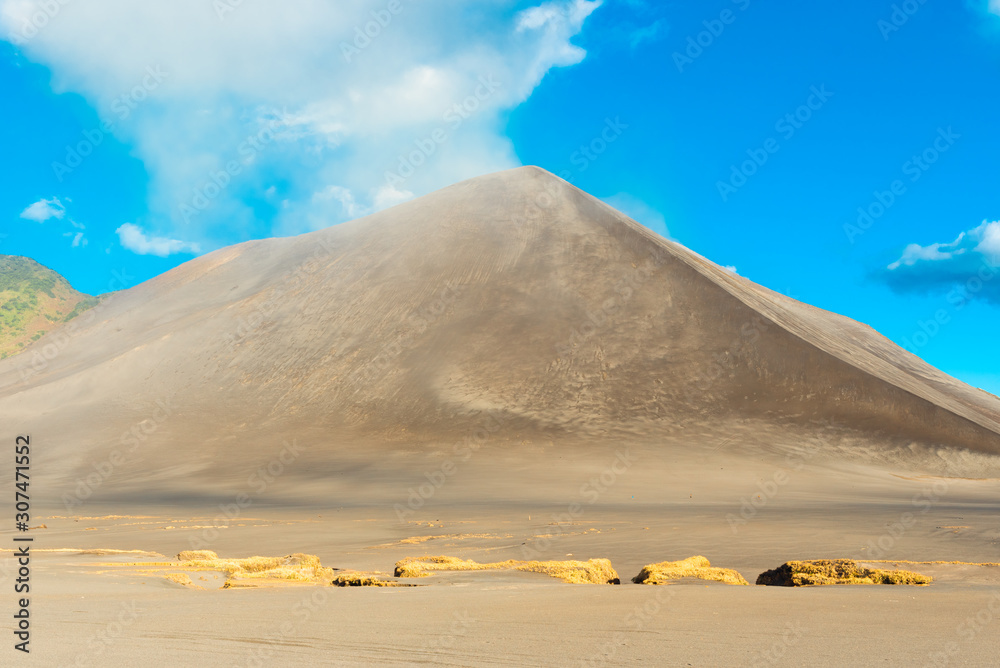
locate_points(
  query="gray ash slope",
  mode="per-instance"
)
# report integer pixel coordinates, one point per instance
(512, 295)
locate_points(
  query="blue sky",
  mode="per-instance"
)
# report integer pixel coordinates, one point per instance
(844, 155)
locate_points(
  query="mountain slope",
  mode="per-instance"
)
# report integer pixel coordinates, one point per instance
(33, 300)
(512, 308)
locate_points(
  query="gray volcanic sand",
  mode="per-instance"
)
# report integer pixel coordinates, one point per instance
(527, 618)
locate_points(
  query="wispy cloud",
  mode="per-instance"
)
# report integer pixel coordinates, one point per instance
(77, 240)
(969, 264)
(350, 208)
(48, 209)
(647, 33)
(639, 211)
(134, 239)
(635, 23)
(44, 209)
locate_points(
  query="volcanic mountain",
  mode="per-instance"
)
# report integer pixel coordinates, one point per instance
(511, 310)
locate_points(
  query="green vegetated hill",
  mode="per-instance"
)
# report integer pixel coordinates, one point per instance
(34, 300)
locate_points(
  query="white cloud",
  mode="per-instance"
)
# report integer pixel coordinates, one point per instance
(47, 209)
(299, 96)
(44, 209)
(915, 253)
(971, 262)
(134, 239)
(388, 196)
(988, 235)
(78, 240)
(983, 240)
(995, 7)
(549, 28)
(351, 209)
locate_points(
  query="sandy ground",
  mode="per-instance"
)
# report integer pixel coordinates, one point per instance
(88, 613)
